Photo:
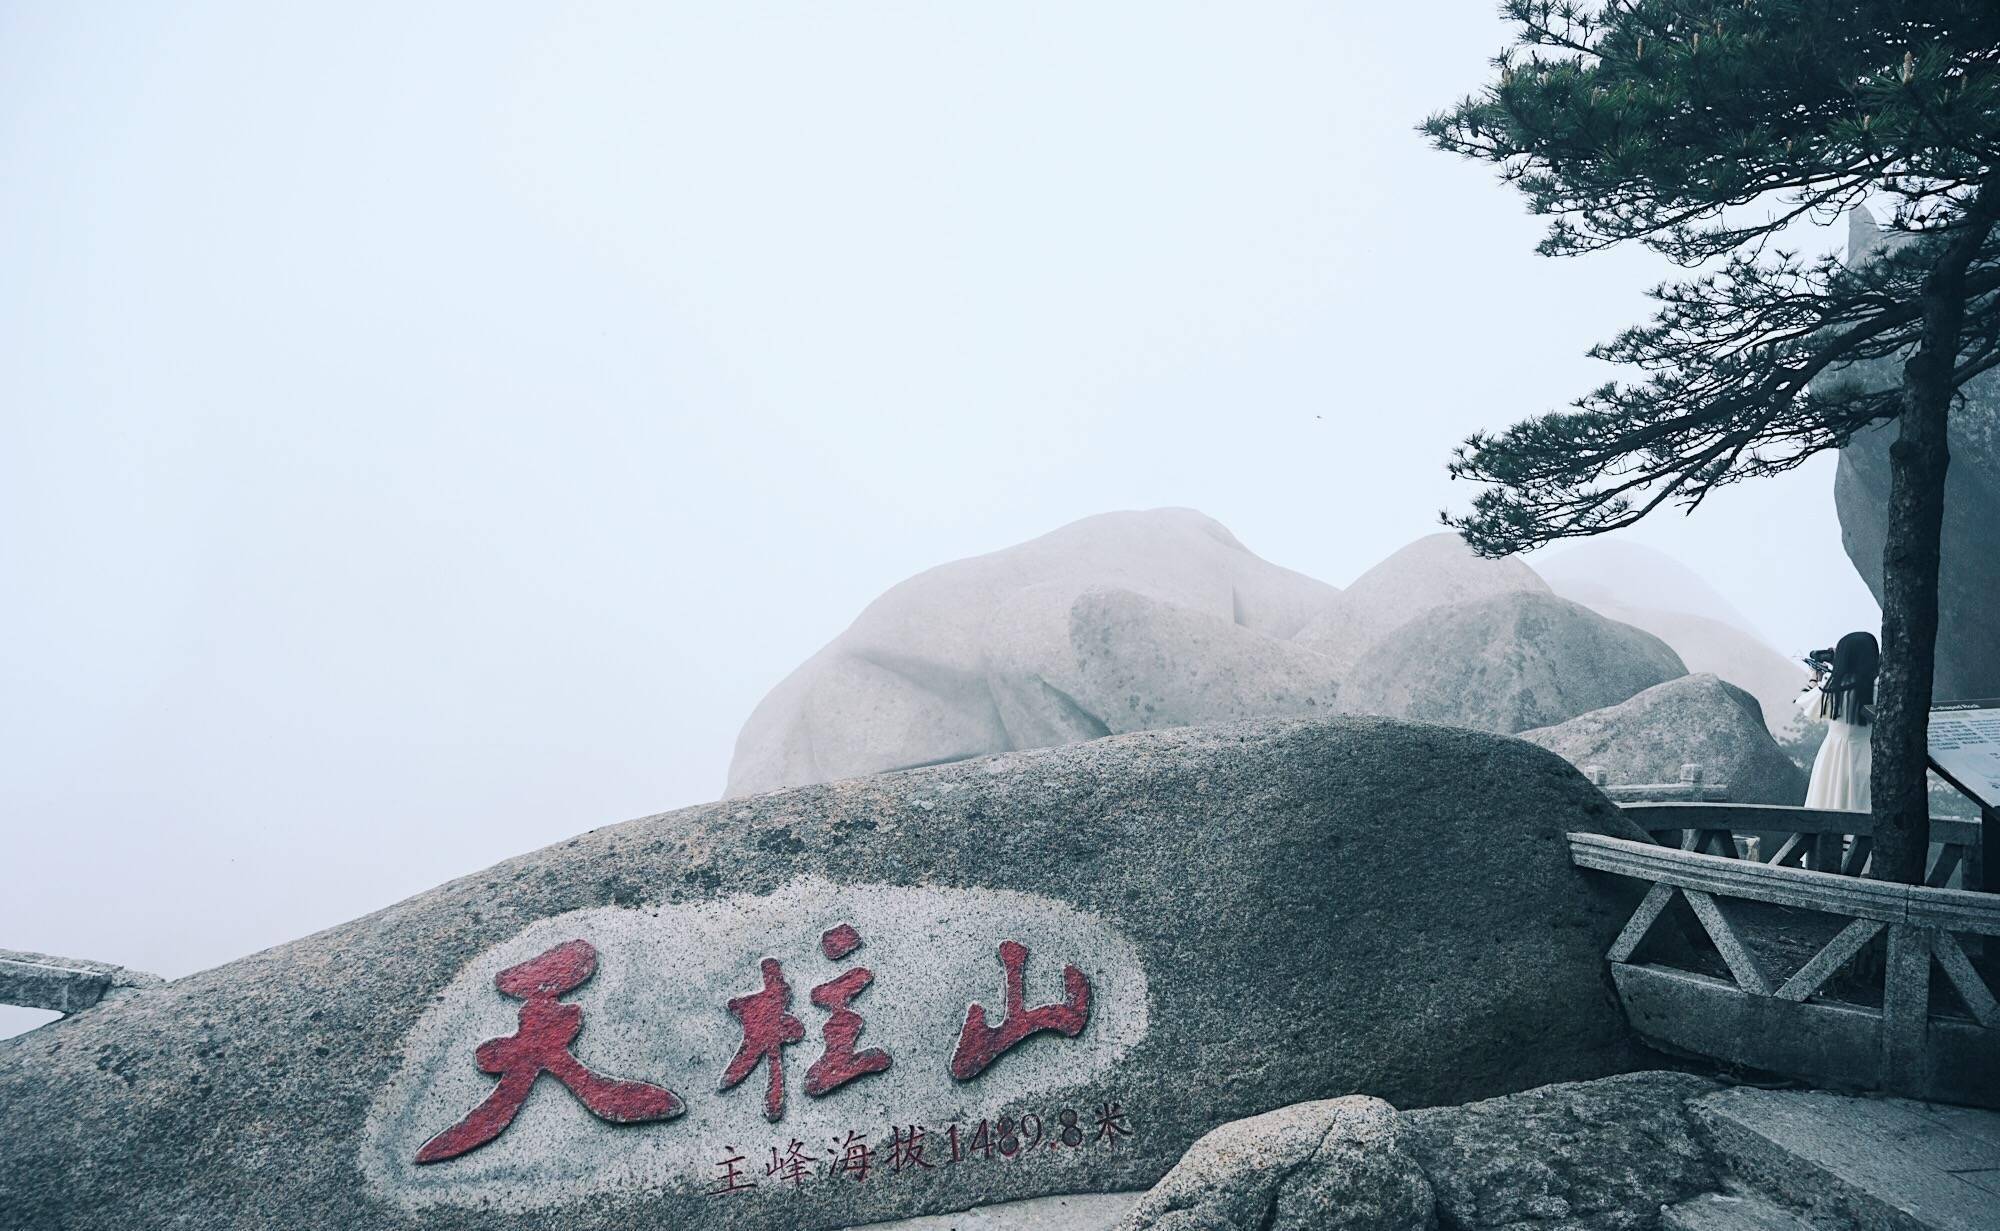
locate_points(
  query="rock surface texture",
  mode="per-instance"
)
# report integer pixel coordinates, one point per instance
(1438, 570)
(1629, 1153)
(1585, 1156)
(1331, 1165)
(1148, 620)
(1506, 664)
(1260, 913)
(1651, 590)
(1696, 719)
(1114, 623)
(1968, 655)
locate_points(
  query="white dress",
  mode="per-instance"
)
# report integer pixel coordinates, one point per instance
(1840, 771)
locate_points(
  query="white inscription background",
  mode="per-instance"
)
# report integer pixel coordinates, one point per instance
(657, 1011)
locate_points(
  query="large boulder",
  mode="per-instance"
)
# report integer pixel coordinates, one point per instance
(1206, 924)
(1696, 719)
(1438, 570)
(1330, 1165)
(1968, 654)
(1120, 621)
(1584, 1156)
(1737, 657)
(1132, 663)
(1506, 663)
(1602, 1155)
(1650, 590)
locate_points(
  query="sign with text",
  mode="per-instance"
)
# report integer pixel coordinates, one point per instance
(1965, 746)
(822, 1032)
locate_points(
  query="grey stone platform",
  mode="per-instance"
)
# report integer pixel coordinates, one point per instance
(1877, 1164)
(1791, 1160)
(1081, 1212)
(64, 984)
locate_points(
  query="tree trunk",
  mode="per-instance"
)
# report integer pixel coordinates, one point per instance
(1899, 743)
(1898, 786)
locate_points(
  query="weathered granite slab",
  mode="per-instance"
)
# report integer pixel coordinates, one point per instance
(63, 984)
(1208, 924)
(1876, 1164)
(1082, 1212)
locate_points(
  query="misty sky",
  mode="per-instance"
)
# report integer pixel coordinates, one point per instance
(428, 430)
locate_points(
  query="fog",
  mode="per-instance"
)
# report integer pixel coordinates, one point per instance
(428, 433)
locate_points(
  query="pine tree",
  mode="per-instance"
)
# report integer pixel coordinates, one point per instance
(1703, 129)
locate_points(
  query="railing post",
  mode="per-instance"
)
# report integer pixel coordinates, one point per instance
(1906, 1001)
(1980, 858)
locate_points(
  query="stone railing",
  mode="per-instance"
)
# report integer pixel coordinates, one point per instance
(1786, 1022)
(1815, 838)
(64, 984)
(1689, 788)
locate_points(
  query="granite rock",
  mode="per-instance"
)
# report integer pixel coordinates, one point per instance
(1261, 913)
(1611, 570)
(1080, 632)
(1968, 655)
(1507, 663)
(1330, 1165)
(1438, 570)
(1651, 590)
(1696, 719)
(1582, 1156)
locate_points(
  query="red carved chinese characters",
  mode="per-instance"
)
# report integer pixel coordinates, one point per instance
(547, 1030)
(979, 1044)
(839, 1063)
(838, 942)
(767, 1029)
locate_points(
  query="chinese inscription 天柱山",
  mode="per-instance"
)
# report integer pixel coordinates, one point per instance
(549, 1029)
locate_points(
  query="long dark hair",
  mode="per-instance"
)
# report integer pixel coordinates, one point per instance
(1849, 688)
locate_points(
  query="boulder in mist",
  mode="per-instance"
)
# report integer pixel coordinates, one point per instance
(1119, 621)
(1506, 664)
(1696, 719)
(1435, 571)
(1968, 654)
(1649, 589)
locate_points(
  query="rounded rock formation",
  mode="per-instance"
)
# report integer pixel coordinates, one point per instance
(1262, 913)
(1968, 655)
(1506, 664)
(1330, 1165)
(1696, 719)
(1119, 621)
(1438, 570)
(1650, 590)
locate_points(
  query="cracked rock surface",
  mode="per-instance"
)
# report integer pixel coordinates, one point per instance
(1582, 1156)
(1331, 1165)
(1600, 1155)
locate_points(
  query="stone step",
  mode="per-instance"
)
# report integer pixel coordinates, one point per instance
(64, 984)
(1076, 1212)
(1874, 1164)
(1721, 1212)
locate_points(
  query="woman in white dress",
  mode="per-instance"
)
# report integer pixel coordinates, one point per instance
(1847, 702)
